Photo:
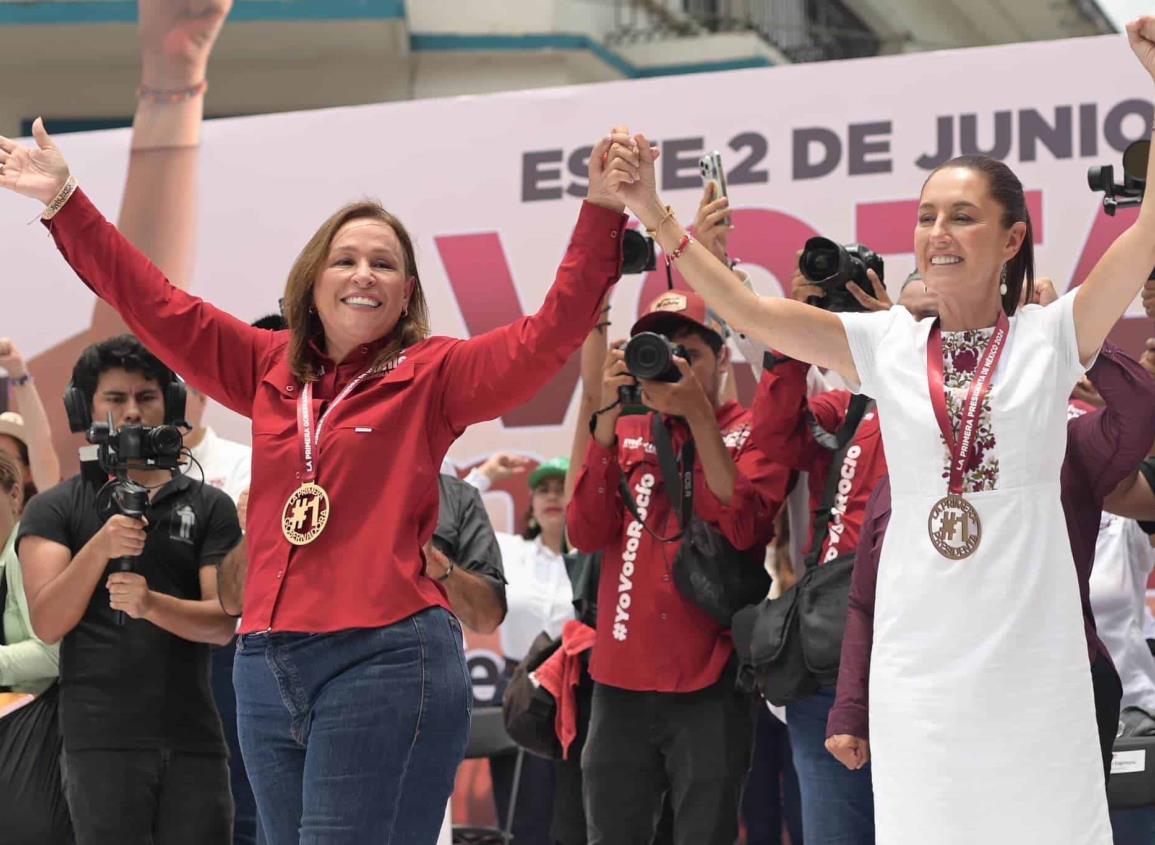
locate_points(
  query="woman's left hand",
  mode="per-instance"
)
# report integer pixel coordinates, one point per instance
(38, 173)
(1141, 35)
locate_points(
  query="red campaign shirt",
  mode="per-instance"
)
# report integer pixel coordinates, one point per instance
(381, 449)
(649, 636)
(781, 429)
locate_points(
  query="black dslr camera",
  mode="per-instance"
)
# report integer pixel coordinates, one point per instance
(637, 252)
(1101, 179)
(650, 356)
(831, 265)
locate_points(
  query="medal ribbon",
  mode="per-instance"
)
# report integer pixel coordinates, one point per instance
(310, 435)
(972, 406)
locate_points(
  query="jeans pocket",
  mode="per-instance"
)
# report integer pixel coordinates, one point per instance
(458, 646)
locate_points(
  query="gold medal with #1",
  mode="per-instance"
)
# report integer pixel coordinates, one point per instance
(305, 515)
(954, 527)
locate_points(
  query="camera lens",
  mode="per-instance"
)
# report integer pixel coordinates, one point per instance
(822, 260)
(649, 356)
(165, 440)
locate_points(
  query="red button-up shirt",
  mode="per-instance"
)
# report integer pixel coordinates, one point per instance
(649, 636)
(382, 447)
(781, 429)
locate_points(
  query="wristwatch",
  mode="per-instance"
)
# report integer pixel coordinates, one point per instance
(21, 381)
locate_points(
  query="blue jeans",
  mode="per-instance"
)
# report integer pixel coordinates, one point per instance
(354, 737)
(837, 804)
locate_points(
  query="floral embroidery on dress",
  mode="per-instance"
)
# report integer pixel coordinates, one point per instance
(960, 358)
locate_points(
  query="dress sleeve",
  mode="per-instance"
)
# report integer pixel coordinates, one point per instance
(1057, 323)
(864, 335)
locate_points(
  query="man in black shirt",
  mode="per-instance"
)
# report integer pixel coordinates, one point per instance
(144, 758)
(464, 547)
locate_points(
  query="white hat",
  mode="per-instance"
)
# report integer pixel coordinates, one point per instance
(12, 424)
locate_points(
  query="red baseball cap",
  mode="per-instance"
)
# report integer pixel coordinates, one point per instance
(676, 309)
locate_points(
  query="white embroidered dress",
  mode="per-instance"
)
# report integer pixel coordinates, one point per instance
(982, 724)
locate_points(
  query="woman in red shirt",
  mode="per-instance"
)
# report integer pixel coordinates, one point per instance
(353, 695)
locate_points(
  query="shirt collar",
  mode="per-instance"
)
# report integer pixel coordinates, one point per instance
(358, 357)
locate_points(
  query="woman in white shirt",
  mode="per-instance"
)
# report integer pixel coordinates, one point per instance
(538, 587)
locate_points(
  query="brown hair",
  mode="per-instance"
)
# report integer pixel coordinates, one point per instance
(1007, 191)
(304, 325)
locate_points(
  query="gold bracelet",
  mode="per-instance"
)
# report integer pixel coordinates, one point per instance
(60, 199)
(653, 233)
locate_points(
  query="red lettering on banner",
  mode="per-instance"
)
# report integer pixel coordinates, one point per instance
(479, 275)
(1130, 333)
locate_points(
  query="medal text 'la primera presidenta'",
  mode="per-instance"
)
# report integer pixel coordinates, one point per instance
(306, 513)
(953, 523)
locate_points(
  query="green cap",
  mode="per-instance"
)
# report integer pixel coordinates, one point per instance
(553, 468)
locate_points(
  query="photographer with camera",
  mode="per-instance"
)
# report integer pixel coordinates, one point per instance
(666, 715)
(144, 756)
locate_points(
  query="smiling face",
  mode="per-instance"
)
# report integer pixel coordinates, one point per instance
(961, 240)
(363, 285)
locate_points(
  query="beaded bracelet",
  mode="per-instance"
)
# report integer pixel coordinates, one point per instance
(682, 247)
(174, 96)
(60, 199)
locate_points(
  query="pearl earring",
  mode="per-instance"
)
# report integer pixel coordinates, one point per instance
(1003, 285)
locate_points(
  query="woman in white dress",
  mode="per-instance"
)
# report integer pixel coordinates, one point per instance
(981, 713)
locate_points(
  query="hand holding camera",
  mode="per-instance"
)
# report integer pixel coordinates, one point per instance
(615, 378)
(683, 398)
(122, 536)
(129, 594)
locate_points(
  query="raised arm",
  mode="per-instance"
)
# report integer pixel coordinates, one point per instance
(42, 457)
(798, 330)
(226, 361)
(1120, 274)
(159, 210)
(492, 373)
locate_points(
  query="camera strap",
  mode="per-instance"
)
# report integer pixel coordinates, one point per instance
(844, 438)
(679, 483)
(835, 441)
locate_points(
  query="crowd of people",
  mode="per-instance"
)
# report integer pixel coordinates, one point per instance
(265, 653)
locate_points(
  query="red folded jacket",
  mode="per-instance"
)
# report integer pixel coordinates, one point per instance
(560, 675)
